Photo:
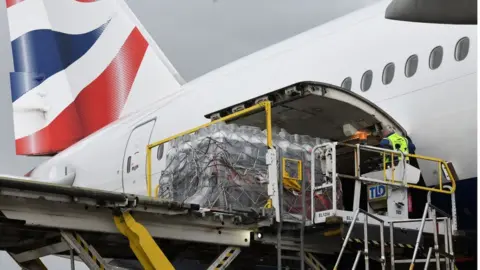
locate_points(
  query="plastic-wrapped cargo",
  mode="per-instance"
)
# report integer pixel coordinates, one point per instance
(223, 166)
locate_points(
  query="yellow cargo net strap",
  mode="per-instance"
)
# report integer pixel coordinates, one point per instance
(266, 106)
(292, 175)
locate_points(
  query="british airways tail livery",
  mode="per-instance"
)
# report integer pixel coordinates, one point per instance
(78, 66)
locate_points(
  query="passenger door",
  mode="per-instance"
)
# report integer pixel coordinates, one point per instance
(134, 160)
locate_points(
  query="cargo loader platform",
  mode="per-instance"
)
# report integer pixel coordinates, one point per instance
(35, 213)
(34, 216)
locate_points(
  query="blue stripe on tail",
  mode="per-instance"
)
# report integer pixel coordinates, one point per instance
(39, 54)
(21, 82)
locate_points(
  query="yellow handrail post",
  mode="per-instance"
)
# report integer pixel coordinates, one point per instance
(149, 171)
(440, 175)
(392, 160)
(268, 115)
(384, 167)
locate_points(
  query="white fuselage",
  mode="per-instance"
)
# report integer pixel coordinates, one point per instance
(436, 107)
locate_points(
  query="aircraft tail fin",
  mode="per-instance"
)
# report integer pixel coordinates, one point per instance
(78, 66)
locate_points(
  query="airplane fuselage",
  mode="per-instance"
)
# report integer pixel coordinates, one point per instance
(437, 107)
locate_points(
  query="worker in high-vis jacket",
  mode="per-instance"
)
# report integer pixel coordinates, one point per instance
(394, 141)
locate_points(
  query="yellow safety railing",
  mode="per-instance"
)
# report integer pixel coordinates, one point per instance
(266, 106)
(384, 152)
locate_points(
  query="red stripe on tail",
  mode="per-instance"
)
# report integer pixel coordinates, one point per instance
(62, 132)
(13, 2)
(97, 105)
(102, 101)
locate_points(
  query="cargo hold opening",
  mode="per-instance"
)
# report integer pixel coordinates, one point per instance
(323, 111)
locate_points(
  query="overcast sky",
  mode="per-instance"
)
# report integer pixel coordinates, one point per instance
(197, 36)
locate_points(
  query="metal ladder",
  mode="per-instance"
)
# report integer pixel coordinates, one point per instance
(313, 262)
(69, 241)
(299, 256)
(303, 256)
(450, 225)
(225, 259)
(86, 252)
(448, 254)
(365, 235)
(280, 255)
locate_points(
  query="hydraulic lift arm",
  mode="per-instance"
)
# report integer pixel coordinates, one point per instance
(142, 244)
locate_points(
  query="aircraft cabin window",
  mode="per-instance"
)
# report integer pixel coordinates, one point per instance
(411, 66)
(462, 48)
(160, 152)
(347, 83)
(129, 162)
(366, 82)
(388, 73)
(436, 57)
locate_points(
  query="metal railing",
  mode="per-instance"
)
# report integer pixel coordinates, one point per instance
(449, 256)
(393, 261)
(365, 240)
(265, 105)
(448, 253)
(442, 166)
(329, 152)
(357, 259)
